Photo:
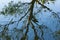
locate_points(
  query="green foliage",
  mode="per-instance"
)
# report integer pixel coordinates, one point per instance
(45, 1)
(56, 35)
(13, 8)
(31, 21)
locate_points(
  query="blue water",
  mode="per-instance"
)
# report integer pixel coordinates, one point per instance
(45, 18)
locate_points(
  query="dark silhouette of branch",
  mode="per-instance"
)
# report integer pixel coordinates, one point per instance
(15, 21)
(45, 6)
(35, 32)
(31, 19)
(25, 35)
(54, 13)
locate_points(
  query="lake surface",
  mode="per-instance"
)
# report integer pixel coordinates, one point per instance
(45, 18)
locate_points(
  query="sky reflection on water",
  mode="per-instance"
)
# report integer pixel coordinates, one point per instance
(45, 18)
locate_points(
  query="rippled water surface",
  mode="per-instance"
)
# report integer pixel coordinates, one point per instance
(44, 18)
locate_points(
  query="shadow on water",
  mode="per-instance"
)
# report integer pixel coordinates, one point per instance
(35, 20)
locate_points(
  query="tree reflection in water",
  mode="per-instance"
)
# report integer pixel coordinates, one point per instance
(27, 21)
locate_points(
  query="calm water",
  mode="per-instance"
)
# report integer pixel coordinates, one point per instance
(45, 18)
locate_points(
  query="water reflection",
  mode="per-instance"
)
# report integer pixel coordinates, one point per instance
(30, 21)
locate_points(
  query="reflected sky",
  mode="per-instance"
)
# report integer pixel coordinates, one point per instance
(54, 6)
(45, 17)
(5, 2)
